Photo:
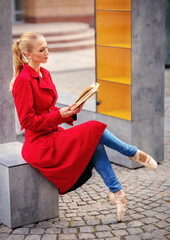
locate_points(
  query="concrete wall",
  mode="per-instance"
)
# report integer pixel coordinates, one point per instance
(148, 66)
(7, 115)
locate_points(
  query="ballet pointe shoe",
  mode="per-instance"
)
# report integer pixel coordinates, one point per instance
(119, 199)
(144, 159)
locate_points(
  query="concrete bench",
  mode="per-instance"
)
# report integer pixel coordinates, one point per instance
(26, 196)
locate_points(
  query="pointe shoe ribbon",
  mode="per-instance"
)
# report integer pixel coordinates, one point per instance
(149, 163)
(121, 207)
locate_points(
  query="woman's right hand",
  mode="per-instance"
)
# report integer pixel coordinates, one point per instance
(67, 112)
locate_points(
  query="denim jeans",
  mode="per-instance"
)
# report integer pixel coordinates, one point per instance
(101, 162)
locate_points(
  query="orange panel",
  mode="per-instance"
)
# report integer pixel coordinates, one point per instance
(113, 28)
(114, 64)
(115, 100)
(113, 4)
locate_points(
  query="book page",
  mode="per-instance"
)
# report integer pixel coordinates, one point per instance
(86, 94)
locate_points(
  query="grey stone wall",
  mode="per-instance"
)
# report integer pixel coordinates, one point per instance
(148, 67)
(148, 59)
(7, 117)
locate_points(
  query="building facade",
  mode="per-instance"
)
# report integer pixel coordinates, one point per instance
(39, 11)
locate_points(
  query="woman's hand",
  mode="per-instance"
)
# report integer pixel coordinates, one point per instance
(80, 107)
(67, 112)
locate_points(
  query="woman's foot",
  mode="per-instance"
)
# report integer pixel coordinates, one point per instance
(144, 159)
(119, 199)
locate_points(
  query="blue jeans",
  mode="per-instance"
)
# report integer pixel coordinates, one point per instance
(101, 162)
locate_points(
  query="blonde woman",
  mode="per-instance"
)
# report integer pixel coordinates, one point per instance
(65, 157)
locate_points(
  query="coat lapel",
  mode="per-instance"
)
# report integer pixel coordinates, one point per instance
(45, 82)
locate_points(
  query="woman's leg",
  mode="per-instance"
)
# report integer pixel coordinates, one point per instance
(103, 166)
(110, 140)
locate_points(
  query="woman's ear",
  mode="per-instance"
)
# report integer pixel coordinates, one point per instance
(28, 55)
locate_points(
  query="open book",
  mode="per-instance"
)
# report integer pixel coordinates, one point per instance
(86, 94)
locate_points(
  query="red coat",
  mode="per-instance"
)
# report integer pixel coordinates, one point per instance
(60, 155)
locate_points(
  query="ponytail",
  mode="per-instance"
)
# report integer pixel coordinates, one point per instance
(18, 61)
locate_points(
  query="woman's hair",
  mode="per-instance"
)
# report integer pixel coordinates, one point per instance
(24, 44)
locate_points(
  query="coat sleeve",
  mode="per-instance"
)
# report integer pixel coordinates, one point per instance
(24, 102)
(68, 120)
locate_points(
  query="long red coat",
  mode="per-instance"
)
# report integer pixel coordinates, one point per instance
(60, 155)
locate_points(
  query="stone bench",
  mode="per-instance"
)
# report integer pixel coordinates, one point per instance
(26, 196)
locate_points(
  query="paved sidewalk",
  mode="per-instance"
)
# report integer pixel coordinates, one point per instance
(86, 213)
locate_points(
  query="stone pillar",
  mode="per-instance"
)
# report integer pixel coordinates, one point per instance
(135, 108)
(148, 67)
(7, 110)
(167, 59)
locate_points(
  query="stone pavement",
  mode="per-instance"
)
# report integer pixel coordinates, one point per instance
(87, 214)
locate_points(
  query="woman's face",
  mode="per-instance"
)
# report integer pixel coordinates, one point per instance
(39, 53)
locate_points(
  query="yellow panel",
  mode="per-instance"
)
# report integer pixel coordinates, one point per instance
(114, 64)
(118, 80)
(115, 100)
(120, 45)
(113, 28)
(113, 4)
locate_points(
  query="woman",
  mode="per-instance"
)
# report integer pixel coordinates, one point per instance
(65, 157)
